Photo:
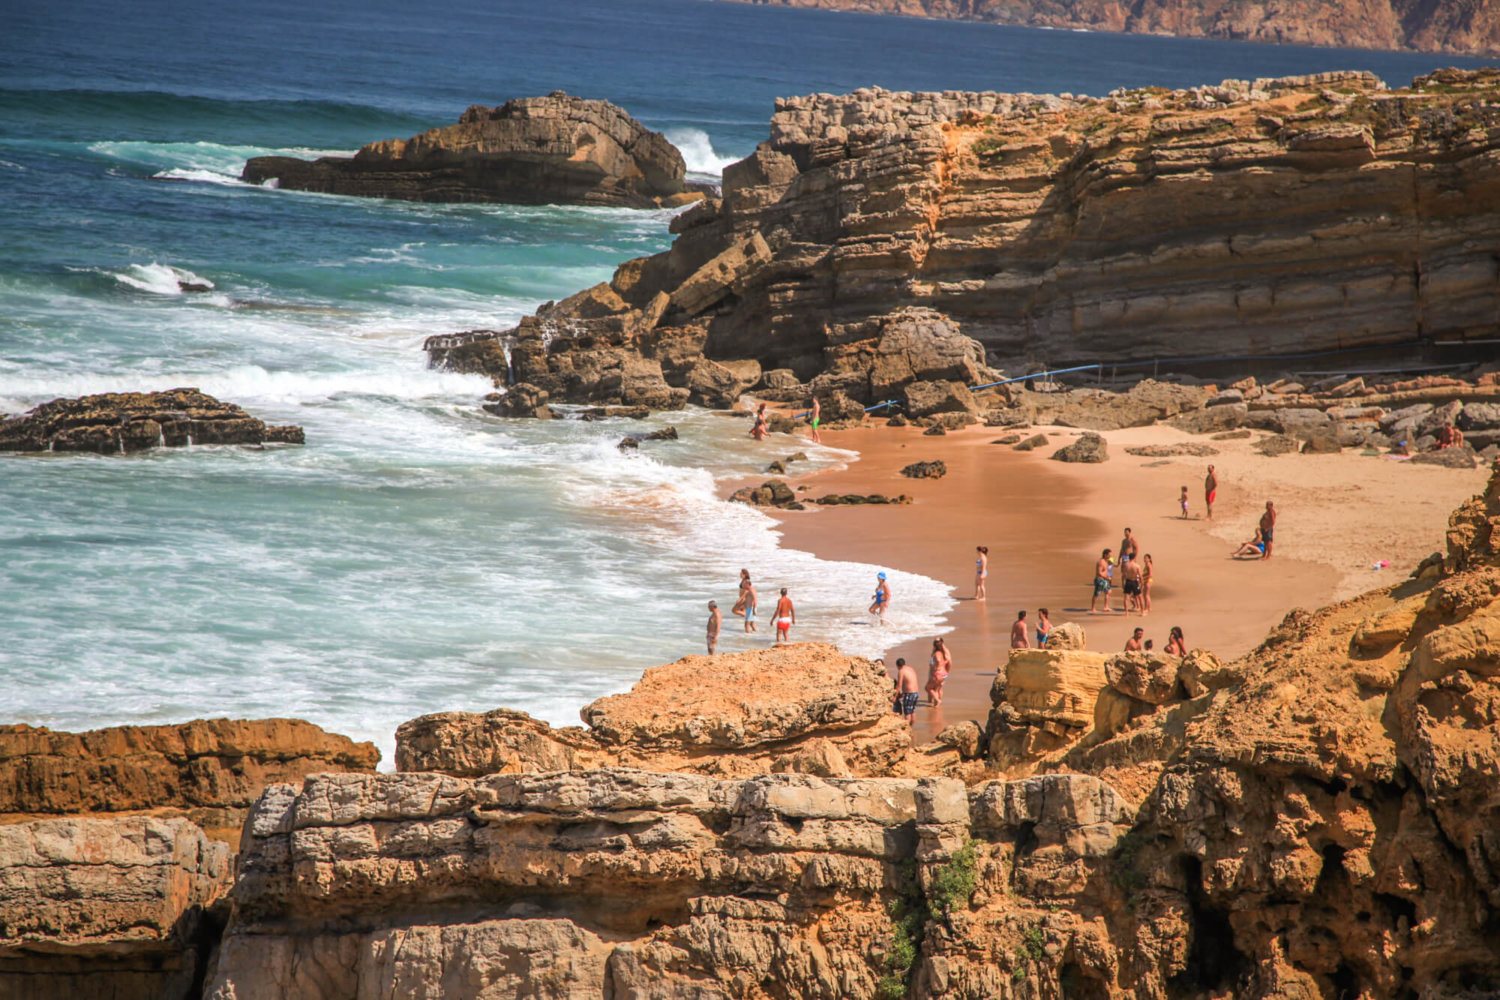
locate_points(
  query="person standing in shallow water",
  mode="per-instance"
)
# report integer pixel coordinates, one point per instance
(817, 417)
(981, 570)
(938, 669)
(760, 428)
(715, 622)
(1018, 637)
(882, 597)
(749, 606)
(786, 617)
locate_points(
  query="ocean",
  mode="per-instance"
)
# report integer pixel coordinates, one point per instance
(417, 555)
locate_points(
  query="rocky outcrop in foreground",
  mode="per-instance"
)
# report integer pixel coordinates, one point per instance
(529, 151)
(1441, 26)
(805, 708)
(117, 422)
(888, 246)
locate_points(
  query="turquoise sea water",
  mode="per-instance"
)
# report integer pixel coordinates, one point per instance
(417, 555)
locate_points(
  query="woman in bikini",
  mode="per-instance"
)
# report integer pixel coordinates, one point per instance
(1146, 571)
(739, 605)
(938, 669)
(761, 428)
(981, 570)
(1175, 644)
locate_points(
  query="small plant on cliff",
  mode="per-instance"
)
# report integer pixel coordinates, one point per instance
(1126, 867)
(953, 884)
(908, 917)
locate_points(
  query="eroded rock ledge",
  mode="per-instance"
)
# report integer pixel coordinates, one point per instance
(529, 151)
(879, 241)
(117, 422)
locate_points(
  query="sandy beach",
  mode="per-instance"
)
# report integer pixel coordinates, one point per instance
(1045, 523)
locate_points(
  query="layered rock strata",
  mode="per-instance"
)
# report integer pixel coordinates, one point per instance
(880, 239)
(117, 422)
(209, 770)
(108, 908)
(529, 151)
(1444, 26)
(804, 708)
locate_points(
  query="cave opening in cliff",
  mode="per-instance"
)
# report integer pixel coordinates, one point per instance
(1213, 961)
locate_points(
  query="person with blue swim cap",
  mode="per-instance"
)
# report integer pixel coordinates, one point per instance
(882, 597)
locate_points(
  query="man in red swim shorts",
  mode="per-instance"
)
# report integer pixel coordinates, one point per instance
(786, 617)
(1210, 490)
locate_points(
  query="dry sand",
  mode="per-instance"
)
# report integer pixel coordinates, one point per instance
(1046, 522)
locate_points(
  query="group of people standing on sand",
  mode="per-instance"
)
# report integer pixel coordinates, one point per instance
(1136, 575)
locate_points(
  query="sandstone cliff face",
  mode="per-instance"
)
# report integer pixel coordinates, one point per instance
(805, 708)
(531, 151)
(1471, 29)
(876, 236)
(209, 770)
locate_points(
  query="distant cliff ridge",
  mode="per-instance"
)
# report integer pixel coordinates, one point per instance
(1418, 25)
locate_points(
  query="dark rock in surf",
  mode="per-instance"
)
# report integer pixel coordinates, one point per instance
(119, 422)
(530, 151)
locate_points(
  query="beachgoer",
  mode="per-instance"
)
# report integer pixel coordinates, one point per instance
(882, 597)
(817, 416)
(1128, 548)
(1210, 491)
(750, 606)
(1018, 637)
(1184, 501)
(761, 427)
(1131, 572)
(1253, 549)
(1175, 644)
(1149, 644)
(981, 570)
(1136, 640)
(1268, 528)
(1147, 571)
(715, 621)
(938, 669)
(906, 699)
(786, 617)
(1043, 627)
(739, 604)
(1102, 571)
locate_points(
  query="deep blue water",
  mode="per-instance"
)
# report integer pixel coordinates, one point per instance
(417, 555)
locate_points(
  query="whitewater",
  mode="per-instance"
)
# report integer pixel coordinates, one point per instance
(418, 554)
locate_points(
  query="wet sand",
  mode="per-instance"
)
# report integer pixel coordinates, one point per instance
(1046, 522)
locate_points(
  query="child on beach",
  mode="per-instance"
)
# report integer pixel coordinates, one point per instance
(1184, 500)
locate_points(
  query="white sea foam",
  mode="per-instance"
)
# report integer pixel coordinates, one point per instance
(159, 279)
(200, 177)
(698, 152)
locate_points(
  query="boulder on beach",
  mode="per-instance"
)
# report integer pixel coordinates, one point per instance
(556, 149)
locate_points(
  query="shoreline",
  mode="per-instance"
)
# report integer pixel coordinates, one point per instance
(1046, 522)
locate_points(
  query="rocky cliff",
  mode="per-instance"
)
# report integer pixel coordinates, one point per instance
(880, 239)
(530, 151)
(1444, 26)
(113, 423)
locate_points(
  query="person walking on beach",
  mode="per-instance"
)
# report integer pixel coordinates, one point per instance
(882, 597)
(1131, 572)
(1102, 570)
(906, 699)
(739, 604)
(749, 606)
(1210, 491)
(1147, 570)
(1176, 646)
(1018, 637)
(715, 621)
(817, 416)
(760, 428)
(1043, 627)
(938, 669)
(786, 617)
(1267, 528)
(1183, 500)
(981, 570)
(1136, 640)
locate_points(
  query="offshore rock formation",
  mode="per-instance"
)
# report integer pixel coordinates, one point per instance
(530, 151)
(116, 422)
(209, 770)
(1444, 26)
(881, 239)
(805, 708)
(108, 908)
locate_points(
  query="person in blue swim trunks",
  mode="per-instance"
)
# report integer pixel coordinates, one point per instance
(906, 696)
(882, 597)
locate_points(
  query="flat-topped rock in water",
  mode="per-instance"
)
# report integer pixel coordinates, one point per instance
(734, 713)
(116, 422)
(528, 151)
